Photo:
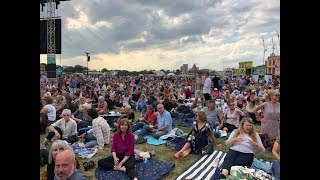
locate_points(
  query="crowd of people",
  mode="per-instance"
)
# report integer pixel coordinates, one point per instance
(74, 107)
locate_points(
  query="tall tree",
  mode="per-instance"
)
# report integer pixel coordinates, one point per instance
(104, 70)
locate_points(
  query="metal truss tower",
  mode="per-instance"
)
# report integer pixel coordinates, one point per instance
(51, 45)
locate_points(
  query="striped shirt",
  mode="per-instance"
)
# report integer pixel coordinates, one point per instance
(101, 130)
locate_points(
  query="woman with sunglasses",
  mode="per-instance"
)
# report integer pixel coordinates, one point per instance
(63, 128)
(270, 122)
(231, 118)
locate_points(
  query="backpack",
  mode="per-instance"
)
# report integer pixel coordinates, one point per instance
(72, 139)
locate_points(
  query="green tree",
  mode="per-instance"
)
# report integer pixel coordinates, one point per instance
(69, 69)
(79, 69)
(104, 70)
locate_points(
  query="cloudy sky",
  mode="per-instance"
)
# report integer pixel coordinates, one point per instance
(164, 34)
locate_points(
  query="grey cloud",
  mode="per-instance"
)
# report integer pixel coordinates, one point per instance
(129, 19)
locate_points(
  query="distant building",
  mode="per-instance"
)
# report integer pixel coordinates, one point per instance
(259, 70)
(184, 68)
(229, 72)
(194, 68)
(245, 68)
(273, 64)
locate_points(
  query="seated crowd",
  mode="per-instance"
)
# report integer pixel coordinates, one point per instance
(80, 114)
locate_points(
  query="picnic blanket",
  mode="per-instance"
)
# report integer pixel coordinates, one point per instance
(153, 170)
(202, 169)
(151, 140)
(85, 152)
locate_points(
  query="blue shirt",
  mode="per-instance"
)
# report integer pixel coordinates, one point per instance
(164, 119)
(212, 115)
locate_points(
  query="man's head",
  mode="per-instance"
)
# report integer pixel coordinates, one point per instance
(160, 108)
(65, 165)
(212, 104)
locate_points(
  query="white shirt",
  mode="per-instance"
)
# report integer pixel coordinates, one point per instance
(207, 86)
(51, 112)
(67, 129)
(244, 146)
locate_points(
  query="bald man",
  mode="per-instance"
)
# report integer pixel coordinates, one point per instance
(65, 167)
(164, 122)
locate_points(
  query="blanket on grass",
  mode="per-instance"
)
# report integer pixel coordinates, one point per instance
(152, 170)
(151, 140)
(202, 169)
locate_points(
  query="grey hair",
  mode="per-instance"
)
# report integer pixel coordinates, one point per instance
(101, 98)
(58, 144)
(66, 111)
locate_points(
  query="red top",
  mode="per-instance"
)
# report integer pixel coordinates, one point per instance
(123, 146)
(152, 119)
(188, 93)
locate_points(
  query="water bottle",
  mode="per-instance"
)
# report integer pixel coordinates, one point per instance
(145, 160)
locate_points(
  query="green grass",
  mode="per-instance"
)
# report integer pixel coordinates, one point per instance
(163, 153)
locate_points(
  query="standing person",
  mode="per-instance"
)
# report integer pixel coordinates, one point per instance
(221, 83)
(65, 167)
(216, 80)
(198, 86)
(60, 81)
(72, 85)
(122, 150)
(207, 88)
(270, 122)
(252, 103)
(243, 143)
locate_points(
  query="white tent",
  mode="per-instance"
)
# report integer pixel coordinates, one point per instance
(170, 74)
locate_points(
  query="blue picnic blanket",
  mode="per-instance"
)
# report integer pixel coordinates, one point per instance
(151, 140)
(154, 169)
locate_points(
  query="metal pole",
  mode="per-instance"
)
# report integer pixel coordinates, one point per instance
(87, 63)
